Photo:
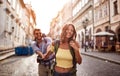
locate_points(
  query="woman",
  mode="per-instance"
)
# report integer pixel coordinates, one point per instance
(64, 59)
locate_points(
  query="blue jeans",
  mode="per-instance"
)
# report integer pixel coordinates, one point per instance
(61, 74)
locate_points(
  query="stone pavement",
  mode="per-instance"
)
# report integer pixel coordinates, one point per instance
(107, 56)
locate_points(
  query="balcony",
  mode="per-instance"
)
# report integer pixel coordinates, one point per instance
(87, 6)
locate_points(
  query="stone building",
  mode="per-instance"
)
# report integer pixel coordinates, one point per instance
(64, 16)
(83, 20)
(107, 18)
(93, 16)
(17, 22)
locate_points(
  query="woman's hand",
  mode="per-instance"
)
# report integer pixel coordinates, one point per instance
(74, 45)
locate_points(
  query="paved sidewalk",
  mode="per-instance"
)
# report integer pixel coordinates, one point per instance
(107, 56)
(6, 54)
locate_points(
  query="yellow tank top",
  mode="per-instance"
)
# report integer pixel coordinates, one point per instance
(64, 58)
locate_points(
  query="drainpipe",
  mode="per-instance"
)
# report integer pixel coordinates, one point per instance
(93, 24)
(109, 15)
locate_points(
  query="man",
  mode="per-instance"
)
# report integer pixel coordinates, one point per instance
(36, 32)
(40, 47)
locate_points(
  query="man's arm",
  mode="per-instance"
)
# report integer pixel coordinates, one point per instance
(48, 44)
(49, 52)
(37, 50)
(40, 54)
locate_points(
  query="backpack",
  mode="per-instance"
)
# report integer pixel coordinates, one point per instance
(74, 70)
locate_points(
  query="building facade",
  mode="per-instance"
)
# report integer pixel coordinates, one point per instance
(93, 16)
(64, 16)
(106, 18)
(17, 23)
(83, 20)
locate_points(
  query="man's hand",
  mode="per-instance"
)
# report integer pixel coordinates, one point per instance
(40, 54)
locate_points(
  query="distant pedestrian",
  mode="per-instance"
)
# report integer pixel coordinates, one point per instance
(92, 44)
(87, 45)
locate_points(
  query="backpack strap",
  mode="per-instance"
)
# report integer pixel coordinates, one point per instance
(56, 45)
(73, 55)
(44, 40)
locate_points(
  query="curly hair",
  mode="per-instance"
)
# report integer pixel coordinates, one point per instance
(36, 29)
(63, 33)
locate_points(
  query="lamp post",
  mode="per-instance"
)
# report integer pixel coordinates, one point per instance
(85, 23)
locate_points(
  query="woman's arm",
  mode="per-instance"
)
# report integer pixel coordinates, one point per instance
(76, 48)
(78, 56)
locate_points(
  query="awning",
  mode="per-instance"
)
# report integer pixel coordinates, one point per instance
(103, 33)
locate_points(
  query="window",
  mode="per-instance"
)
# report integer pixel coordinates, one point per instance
(14, 4)
(17, 9)
(106, 28)
(105, 10)
(115, 7)
(73, 1)
(79, 4)
(9, 1)
(95, 1)
(90, 15)
(86, 1)
(82, 3)
(96, 15)
(100, 13)
(74, 11)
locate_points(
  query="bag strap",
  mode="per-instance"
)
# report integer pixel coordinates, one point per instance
(44, 40)
(56, 45)
(73, 55)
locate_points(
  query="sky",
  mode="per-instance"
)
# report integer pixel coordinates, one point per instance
(45, 11)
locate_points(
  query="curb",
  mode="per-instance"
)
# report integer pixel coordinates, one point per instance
(105, 59)
(7, 55)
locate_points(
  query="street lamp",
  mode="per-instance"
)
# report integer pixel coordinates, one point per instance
(85, 23)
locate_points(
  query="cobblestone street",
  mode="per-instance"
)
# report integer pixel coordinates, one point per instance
(19, 66)
(27, 66)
